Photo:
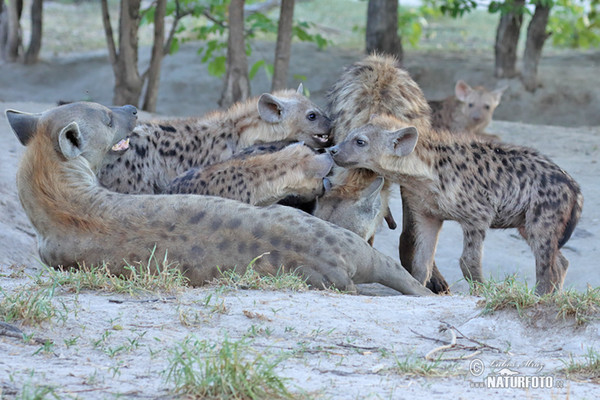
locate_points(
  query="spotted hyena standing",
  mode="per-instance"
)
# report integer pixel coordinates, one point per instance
(260, 177)
(469, 111)
(480, 185)
(162, 150)
(374, 85)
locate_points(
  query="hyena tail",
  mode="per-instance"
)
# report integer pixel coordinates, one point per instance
(573, 219)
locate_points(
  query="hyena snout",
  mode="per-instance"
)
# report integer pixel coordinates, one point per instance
(125, 116)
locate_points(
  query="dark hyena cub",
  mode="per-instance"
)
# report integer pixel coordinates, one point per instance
(480, 185)
(261, 177)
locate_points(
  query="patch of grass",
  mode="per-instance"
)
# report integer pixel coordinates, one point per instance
(30, 304)
(31, 391)
(251, 279)
(510, 293)
(419, 366)
(589, 369)
(582, 306)
(226, 370)
(153, 276)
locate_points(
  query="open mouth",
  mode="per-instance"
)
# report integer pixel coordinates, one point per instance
(322, 138)
(121, 146)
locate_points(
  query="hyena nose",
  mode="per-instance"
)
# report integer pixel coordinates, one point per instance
(334, 150)
(129, 109)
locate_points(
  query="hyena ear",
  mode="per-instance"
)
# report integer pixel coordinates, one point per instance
(23, 124)
(462, 90)
(373, 190)
(270, 108)
(70, 141)
(300, 89)
(497, 94)
(403, 141)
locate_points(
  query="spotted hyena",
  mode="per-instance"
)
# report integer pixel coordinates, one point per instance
(469, 111)
(78, 221)
(375, 85)
(261, 178)
(479, 184)
(162, 150)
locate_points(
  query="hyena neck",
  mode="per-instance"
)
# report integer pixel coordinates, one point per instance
(58, 183)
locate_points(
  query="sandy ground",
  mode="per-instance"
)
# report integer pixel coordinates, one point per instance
(339, 346)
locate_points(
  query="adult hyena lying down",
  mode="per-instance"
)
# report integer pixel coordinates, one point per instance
(79, 221)
(480, 185)
(260, 178)
(165, 149)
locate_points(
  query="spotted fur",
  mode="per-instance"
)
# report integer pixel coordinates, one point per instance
(480, 185)
(77, 221)
(163, 149)
(260, 177)
(374, 85)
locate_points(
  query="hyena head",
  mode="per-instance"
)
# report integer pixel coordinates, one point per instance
(83, 129)
(308, 180)
(373, 145)
(364, 206)
(478, 103)
(291, 112)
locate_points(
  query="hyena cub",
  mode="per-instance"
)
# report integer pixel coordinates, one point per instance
(261, 178)
(162, 150)
(481, 185)
(470, 110)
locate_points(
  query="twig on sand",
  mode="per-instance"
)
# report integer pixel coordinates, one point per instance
(452, 345)
(14, 332)
(163, 299)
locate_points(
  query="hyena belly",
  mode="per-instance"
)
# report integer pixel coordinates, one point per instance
(260, 177)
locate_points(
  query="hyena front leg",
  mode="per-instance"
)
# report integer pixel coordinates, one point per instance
(470, 260)
(437, 284)
(426, 231)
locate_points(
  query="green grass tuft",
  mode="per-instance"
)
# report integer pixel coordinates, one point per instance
(589, 369)
(226, 370)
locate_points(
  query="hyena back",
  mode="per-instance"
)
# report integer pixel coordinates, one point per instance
(479, 184)
(261, 178)
(161, 150)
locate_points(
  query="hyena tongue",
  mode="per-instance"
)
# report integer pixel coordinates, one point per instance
(122, 145)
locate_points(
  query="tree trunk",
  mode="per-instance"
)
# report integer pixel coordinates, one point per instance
(382, 28)
(128, 82)
(536, 37)
(237, 85)
(283, 46)
(13, 37)
(153, 73)
(3, 28)
(507, 39)
(35, 43)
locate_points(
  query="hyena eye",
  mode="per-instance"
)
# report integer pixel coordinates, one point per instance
(360, 143)
(471, 105)
(487, 106)
(311, 116)
(110, 120)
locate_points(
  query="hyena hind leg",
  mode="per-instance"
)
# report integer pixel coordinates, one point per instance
(550, 264)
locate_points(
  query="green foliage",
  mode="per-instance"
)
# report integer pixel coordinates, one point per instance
(206, 21)
(457, 8)
(573, 25)
(412, 21)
